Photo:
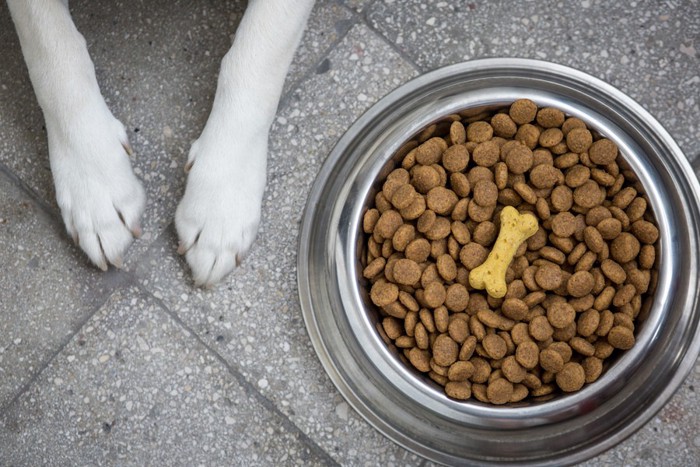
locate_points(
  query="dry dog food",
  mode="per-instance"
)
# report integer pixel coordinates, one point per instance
(509, 254)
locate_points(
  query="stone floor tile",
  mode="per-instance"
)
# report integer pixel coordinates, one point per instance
(649, 50)
(135, 388)
(47, 289)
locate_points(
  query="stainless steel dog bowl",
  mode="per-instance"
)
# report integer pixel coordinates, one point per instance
(409, 409)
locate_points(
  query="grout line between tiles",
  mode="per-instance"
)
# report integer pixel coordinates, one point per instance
(294, 85)
(27, 190)
(365, 20)
(119, 280)
(250, 389)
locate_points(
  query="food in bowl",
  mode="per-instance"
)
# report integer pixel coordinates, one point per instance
(573, 287)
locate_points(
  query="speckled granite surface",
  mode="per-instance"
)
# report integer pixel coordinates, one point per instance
(136, 366)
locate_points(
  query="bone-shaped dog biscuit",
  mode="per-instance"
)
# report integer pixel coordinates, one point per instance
(491, 274)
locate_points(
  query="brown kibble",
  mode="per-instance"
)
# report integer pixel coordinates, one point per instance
(522, 111)
(414, 211)
(562, 198)
(446, 267)
(406, 272)
(486, 154)
(545, 176)
(456, 298)
(374, 268)
(540, 329)
(499, 391)
(425, 178)
(392, 327)
(609, 228)
(647, 257)
(430, 152)
(478, 213)
(472, 255)
(577, 176)
(624, 248)
(418, 250)
(458, 329)
(468, 348)
(384, 293)
(403, 196)
(460, 390)
(387, 223)
(479, 132)
(549, 117)
(460, 232)
(571, 377)
(512, 370)
(420, 359)
(561, 314)
(579, 140)
(441, 318)
(519, 159)
(526, 192)
(528, 135)
(550, 137)
(603, 152)
(587, 195)
(485, 193)
(592, 368)
(580, 284)
(564, 224)
(645, 231)
(485, 233)
(403, 236)
(458, 135)
(445, 350)
(460, 371)
(593, 238)
(571, 123)
(621, 337)
(455, 158)
(495, 346)
(460, 184)
(441, 200)
(440, 229)
(636, 209)
(588, 322)
(434, 294)
(527, 354)
(369, 220)
(548, 276)
(493, 320)
(613, 271)
(503, 126)
(514, 308)
(551, 360)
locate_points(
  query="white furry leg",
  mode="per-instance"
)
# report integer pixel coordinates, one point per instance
(101, 200)
(219, 214)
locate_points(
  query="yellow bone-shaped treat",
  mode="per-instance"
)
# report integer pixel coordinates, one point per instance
(515, 229)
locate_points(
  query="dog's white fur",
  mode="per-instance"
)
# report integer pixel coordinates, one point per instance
(101, 199)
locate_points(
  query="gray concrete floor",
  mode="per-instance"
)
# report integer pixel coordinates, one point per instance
(137, 366)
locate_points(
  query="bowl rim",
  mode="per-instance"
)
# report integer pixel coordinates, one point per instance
(334, 368)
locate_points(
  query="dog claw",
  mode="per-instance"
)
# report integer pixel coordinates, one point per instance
(136, 231)
(129, 150)
(181, 249)
(188, 166)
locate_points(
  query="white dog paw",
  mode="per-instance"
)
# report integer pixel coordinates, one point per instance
(218, 217)
(101, 199)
